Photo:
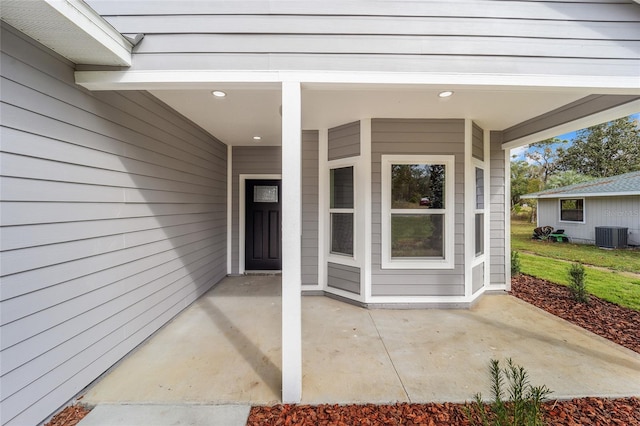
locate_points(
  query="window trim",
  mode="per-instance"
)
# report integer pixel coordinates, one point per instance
(335, 257)
(477, 211)
(584, 210)
(448, 262)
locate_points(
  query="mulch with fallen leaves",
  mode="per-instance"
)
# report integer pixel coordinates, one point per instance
(611, 321)
(70, 416)
(576, 412)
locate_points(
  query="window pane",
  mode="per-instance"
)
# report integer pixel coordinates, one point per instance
(417, 186)
(479, 188)
(417, 235)
(479, 234)
(572, 210)
(342, 188)
(265, 194)
(342, 233)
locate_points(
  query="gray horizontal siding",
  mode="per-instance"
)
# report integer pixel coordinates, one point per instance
(477, 278)
(417, 136)
(477, 142)
(343, 277)
(497, 224)
(113, 221)
(249, 160)
(598, 211)
(310, 206)
(556, 37)
(344, 141)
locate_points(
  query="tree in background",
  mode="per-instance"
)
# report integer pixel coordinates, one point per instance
(546, 158)
(608, 149)
(566, 178)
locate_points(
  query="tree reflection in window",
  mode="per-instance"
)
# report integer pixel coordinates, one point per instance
(417, 186)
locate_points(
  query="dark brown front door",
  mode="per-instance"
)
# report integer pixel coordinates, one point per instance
(263, 225)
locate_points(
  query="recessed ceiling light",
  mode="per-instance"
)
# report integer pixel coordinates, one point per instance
(218, 94)
(445, 94)
(257, 138)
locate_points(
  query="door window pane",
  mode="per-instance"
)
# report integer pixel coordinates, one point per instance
(417, 235)
(265, 194)
(417, 186)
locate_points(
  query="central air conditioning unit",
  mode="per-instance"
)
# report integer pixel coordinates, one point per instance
(611, 236)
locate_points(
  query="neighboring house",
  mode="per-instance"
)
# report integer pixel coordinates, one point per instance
(129, 190)
(580, 208)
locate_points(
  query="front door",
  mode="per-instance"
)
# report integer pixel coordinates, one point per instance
(263, 225)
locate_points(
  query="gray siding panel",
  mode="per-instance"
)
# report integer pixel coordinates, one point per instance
(343, 277)
(114, 220)
(552, 38)
(598, 211)
(497, 217)
(249, 160)
(344, 141)
(310, 207)
(477, 275)
(477, 142)
(417, 136)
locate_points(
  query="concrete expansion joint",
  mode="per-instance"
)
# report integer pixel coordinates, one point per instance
(404, 389)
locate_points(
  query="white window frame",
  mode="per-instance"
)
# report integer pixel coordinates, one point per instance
(448, 262)
(479, 165)
(334, 257)
(584, 210)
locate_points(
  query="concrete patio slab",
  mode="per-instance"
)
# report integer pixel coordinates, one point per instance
(225, 349)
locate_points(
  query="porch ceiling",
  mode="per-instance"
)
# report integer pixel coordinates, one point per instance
(254, 111)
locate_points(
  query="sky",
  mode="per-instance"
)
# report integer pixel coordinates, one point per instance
(520, 152)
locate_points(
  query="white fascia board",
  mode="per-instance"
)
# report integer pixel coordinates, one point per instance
(194, 79)
(586, 195)
(88, 20)
(591, 120)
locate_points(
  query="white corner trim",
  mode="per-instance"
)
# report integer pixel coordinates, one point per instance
(323, 206)
(229, 208)
(582, 123)
(365, 171)
(507, 218)
(469, 207)
(242, 211)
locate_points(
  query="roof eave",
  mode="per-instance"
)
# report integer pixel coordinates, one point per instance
(81, 35)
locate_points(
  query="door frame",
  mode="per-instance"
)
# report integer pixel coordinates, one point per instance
(242, 212)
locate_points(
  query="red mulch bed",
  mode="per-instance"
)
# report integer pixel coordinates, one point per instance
(70, 416)
(620, 325)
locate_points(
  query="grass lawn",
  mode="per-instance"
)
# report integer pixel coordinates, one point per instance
(607, 285)
(618, 260)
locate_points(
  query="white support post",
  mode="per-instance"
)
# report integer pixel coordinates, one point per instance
(291, 243)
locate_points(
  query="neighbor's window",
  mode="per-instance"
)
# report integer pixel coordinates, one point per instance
(341, 210)
(417, 211)
(572, 210)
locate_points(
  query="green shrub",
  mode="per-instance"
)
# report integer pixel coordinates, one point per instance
(515, 263)
(577, 286)
(523, 406)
